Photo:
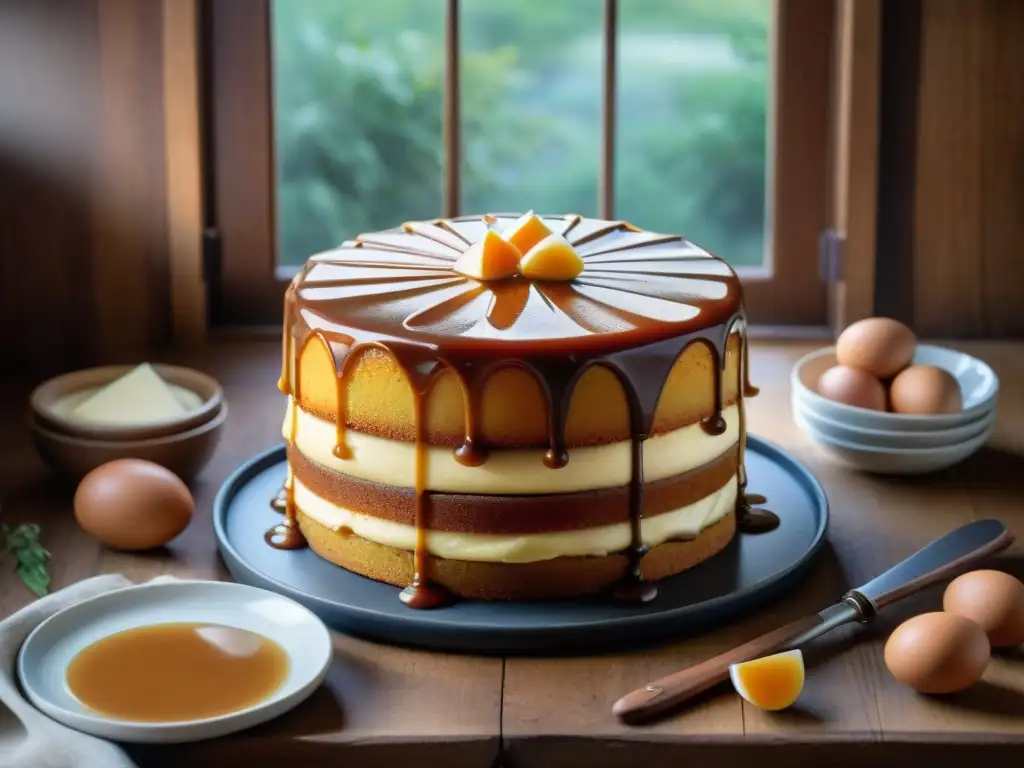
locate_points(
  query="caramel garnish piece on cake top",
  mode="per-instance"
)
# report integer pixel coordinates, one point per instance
(526, 231)
(490, 258)
(553, 258)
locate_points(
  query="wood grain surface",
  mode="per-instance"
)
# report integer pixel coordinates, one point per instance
(403, 707)
(969, 161)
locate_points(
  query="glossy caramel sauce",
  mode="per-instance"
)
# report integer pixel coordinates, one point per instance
(641, 299)
(176, 672)
(280, 502)
(286, 534)
(751, 519)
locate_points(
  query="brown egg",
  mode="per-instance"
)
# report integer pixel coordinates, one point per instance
(853, 387)
(132, 504)
(925, 389)
(878, 345)
(992, 599)
(937, 652)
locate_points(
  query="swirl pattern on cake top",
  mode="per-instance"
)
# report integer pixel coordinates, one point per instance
(636, 287)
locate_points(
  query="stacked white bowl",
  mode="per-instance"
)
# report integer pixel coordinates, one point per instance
(897, 443)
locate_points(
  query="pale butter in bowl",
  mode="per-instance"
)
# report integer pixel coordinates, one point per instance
(124, 402)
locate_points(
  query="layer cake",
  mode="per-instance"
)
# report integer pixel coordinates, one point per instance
(514, 438)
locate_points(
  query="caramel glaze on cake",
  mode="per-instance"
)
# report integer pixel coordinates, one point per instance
(408, 349)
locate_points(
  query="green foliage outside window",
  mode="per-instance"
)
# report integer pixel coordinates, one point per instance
(358, 105)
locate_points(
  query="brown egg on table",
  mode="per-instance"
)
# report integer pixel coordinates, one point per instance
(880, 346)
(937, 652)
(925, 389)
(853, 387)
(992, 599)
(132, 504)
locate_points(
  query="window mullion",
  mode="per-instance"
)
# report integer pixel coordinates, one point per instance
(606, 185)
(451, 120)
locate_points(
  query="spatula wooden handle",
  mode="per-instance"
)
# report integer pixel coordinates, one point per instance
(673, 689)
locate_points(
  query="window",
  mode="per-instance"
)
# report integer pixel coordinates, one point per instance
(708, 118)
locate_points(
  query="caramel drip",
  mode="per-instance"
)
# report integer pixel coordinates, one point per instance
(757, 520)
(715, 424)
(748, 519)
(557, 382)
(749, 390)
(284, 384)
(345, 343)
(471, 452)
(741, 401)
(341, 449)
(633, 588)
(293, 433)
(280, 502)
(420, 368)
(419, 594)
(286, 534)
(643, 373)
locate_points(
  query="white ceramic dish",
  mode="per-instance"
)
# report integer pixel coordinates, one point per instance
(46, 653)
(979, 387)
(893, 461)
(881, 438)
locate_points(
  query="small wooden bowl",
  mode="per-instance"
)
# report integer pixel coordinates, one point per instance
(185, 453)
(50, 405)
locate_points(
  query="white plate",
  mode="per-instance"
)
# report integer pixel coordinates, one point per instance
(892, 461)
(881, 438)
(979, 388)
(46, 653)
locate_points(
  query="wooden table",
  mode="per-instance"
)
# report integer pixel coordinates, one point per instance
(408, 707)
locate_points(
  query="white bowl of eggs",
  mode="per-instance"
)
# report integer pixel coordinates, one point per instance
(880, 402)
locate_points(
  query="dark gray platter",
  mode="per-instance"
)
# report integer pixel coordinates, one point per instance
(753, 569)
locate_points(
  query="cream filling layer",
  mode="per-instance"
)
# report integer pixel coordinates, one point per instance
(682, 523)
(507, 471)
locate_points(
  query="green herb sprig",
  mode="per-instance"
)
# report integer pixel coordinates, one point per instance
(23, 543)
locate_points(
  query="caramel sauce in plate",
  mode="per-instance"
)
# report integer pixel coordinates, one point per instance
(176, 672)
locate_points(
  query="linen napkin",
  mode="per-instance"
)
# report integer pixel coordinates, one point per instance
(28, 738)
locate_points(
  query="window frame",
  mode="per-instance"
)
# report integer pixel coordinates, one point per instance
(247, 287)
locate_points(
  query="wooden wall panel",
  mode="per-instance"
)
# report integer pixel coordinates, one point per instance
(83, 244)
(1001, 82)
(184, 169)
(967, 261)
(855, 161)
(897, 158)
(47, 73)
(130, 282)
